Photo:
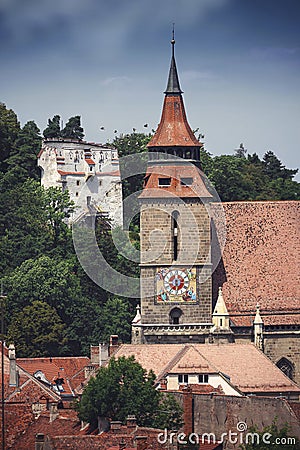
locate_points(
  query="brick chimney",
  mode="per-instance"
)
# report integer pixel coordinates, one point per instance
(188, 410)
(163, 384)
(141, 442)
(116, 426)
(131, 422)
(113, 344)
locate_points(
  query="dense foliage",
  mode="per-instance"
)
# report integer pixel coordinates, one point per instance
(124, 388)
(48, 293)
(72, 130)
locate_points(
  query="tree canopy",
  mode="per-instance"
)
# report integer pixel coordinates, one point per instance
(124, 388)
(72, 129)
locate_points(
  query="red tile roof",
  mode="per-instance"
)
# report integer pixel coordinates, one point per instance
(260, 261)
(173, 129)
(248, 368)
(56, 367)
(196, 190)
(90, 161)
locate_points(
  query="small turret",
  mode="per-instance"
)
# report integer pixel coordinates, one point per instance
(220, 316)
(258, 326)
(137, 333)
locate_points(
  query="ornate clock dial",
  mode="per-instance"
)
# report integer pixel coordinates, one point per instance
(176, 282)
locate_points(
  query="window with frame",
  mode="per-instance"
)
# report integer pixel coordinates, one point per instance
(203, 378)
(183, 378)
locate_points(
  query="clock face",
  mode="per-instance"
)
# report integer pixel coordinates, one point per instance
(176, 285)
(176, 282)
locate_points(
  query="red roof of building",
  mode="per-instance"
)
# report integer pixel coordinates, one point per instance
(173, 129)
(57, 367)
(249, 369)
(260, 262)
(177, 188)
(90, 161)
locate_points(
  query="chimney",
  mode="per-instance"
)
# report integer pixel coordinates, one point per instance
(131, 422)
(113, 344)
(163, 384)
(115, 426)
(13, 376)
(53, 412)
(188, 410)
(39, 441)
(141, 442)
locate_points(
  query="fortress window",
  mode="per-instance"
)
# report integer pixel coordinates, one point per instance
(175, 215)
(164, 182)
(77, 182)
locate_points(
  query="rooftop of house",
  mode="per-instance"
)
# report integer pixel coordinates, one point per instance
(260, 262)
(248, 369)
(48, 370)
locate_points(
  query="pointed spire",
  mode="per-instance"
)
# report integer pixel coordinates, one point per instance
(173, 86)
(258, 320)
(138, 316)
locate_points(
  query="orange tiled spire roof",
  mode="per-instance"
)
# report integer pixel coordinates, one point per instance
(173, 130)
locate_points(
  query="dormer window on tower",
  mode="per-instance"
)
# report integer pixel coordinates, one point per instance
(164, 181)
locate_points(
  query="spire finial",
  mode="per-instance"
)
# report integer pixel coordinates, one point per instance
(173, 39)
(173, 86)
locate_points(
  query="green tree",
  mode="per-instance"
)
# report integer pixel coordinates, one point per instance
(37, 331)
(270, 436)
(53, 128)
(23, 158)
(46, 279)
(129, 145)
(274, 168)
(117, 315)
(32, 221)
(9, 130)
(122, 388)
(73, 129)
(58, 207)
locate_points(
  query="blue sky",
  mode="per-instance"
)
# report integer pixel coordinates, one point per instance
(108, 61)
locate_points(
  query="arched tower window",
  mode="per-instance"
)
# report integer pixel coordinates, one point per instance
(287, 367)
(175, 215)
(175, 315)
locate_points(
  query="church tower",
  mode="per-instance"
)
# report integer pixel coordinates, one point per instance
(176, 291)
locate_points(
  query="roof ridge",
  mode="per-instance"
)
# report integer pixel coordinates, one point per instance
(174, 360)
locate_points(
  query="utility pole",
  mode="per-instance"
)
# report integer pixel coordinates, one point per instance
(2, 301)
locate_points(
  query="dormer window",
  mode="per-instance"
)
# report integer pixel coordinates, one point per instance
(164, 182)
(203, 378)
(186, 181)
(58, 386)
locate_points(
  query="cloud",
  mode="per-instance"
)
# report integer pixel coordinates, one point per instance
(103, 23)
(197, 75)
(116, 81)
(275, 52)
